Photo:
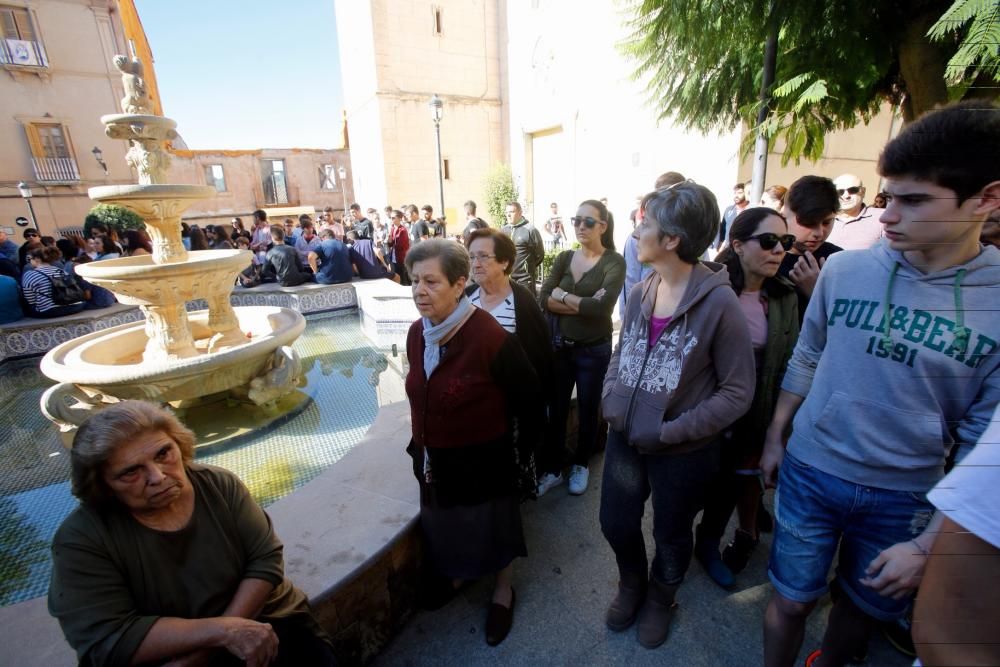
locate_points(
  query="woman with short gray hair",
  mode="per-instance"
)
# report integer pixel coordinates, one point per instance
(474, 416)
(168, 561)
(683, 371)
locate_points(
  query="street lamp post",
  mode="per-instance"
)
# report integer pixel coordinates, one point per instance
(25, 191)
(342, 173)
(437, 112)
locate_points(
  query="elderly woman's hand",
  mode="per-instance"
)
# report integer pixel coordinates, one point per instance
(250, 641)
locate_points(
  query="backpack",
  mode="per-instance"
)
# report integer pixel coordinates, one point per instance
(65, 290)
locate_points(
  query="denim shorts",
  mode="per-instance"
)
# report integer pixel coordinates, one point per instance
(815, 511)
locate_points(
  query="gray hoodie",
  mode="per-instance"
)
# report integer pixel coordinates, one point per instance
(884, 405)
(695, 380)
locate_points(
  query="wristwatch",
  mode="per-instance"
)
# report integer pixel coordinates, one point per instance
(562, 299)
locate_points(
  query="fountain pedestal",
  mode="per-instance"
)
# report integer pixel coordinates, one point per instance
(174, 355)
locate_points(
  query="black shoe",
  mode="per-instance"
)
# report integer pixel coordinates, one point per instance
(737, 554)
(499, 620)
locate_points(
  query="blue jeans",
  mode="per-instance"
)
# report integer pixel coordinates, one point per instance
(585, 367)
(677, 482)
(815, 511)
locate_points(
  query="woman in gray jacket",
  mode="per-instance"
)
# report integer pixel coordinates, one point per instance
(683, 371)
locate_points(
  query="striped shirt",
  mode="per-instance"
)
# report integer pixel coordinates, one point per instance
(38, 288)
(503, 313)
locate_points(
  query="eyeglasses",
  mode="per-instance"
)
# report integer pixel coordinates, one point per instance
(851, 190)
(481, 257)
(768, 241)
(588, 221)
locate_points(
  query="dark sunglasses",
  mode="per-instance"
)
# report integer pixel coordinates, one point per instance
(588, 221)
(851, 190)
(768, 241)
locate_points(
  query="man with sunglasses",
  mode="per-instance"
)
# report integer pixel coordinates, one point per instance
(32, 240)
(857, 226)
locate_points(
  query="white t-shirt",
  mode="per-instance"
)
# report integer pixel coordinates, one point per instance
(970, 494)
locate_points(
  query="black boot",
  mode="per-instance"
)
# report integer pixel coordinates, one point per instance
(625, 606)
(656, 614)
(737, 554)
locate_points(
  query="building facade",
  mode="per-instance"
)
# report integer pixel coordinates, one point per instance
(57, 80)
(265, 178)
(394, 57)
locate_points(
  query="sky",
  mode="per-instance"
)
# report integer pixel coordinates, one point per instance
(242, 74)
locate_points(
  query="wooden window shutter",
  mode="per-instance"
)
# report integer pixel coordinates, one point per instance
(34, 140)
(17, 23)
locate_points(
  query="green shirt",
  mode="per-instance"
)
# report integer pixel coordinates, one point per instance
(594, 319)
(112, 577)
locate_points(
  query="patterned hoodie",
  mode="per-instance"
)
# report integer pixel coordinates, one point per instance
(694, 381)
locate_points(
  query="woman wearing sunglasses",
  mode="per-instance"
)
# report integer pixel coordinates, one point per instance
(683, 372)
(579, 294)
(758, 241)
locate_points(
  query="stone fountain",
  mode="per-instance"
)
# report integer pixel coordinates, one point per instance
(175, 356)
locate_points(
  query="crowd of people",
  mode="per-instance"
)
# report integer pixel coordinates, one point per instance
(38, 278)
(844, 354)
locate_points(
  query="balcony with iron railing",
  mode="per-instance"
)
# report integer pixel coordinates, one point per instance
(22, 53)
(55, 169)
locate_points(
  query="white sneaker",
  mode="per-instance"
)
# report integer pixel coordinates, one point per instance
(548, 481)
(579, 477)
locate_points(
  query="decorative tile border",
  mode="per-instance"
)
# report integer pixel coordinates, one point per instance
(31, 337)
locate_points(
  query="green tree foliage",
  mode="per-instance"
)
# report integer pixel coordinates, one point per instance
(110, 216)
(498, 190)
(838, 61)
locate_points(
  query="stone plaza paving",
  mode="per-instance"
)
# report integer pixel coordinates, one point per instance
(563, 588)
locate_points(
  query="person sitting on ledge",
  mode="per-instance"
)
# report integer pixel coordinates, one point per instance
(38, 283)
(331, 260)
(368, 261)
(282, 264)
(169, 561)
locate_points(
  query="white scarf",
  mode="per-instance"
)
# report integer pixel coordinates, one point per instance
(433, 335)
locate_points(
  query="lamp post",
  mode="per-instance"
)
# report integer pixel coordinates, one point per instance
(437, 112)
(342, 173)
(99, 156)
(25, 191)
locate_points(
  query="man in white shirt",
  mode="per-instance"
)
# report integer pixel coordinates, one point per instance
(857, 226)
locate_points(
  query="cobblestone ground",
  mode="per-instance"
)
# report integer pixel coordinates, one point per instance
(563, 588)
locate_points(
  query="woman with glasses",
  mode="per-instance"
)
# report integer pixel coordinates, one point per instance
(579, 294)
(511, 304)
(758, 241)
(683, 372)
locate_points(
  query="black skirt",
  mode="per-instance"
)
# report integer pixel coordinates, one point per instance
(471, 541)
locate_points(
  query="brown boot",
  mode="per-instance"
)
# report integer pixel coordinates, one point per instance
(656, 614)
(631, 592)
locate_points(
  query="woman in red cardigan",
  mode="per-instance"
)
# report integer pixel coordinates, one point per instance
(471, 389)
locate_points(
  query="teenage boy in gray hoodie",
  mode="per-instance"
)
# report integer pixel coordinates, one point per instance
(896, 366)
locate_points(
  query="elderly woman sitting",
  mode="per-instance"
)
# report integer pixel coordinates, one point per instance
(168, 561)
(471, 388)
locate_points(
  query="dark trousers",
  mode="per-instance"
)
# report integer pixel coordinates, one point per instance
(400, 269)
(57, 311)
(677, 483)
(584, 367)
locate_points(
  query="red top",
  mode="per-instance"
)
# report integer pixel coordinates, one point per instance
(462, 404)
(399, 239)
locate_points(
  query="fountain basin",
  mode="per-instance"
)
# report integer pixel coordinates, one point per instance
(140, 281)
(110, 362)
(124, 194)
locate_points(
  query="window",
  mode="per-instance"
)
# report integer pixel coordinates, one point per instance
(438, 26)
(20, 44)
(215, 176)
(446, 170)
(51, 152)
(273, 181)
(328, 177)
